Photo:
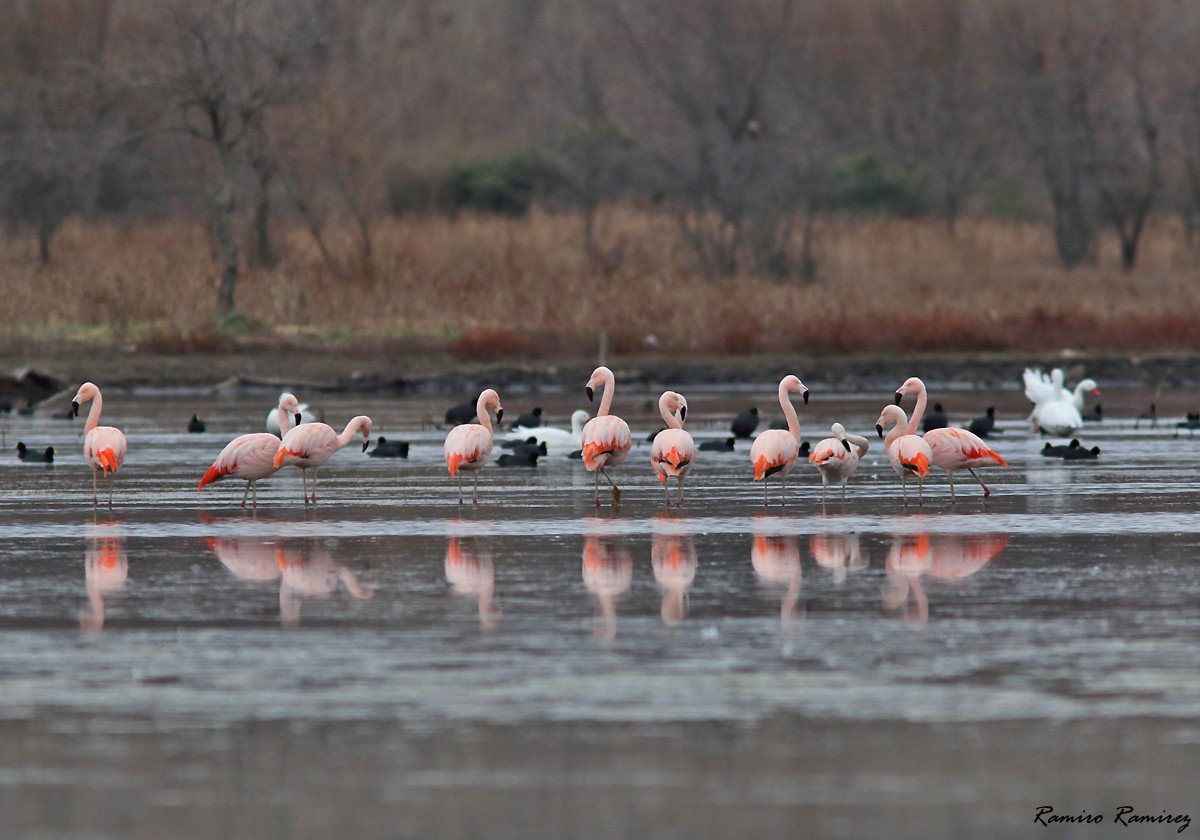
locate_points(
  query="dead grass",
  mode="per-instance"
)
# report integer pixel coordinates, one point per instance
(485, 287)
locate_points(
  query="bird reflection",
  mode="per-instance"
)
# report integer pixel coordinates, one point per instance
(840, 553)
(776, 561)
(673, 558)
(944, 556)
(607, 572)
(305, 569)
(470, 572)
(105, 569)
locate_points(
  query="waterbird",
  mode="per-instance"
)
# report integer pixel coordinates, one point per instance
(1059, 450)
(311, 445)
(908, 453)
(463, 412)
(32, 456)
(251, 457)
(385, 448)
(469, 445)
(935, 419)
(953, 448)
(1081, 454)
(745, 423)
(527, 457)
(1054, 410)
(774, 452)
(104, 447)
(531, 420)
(718, 445)
(985, 425)
(837, 457)
(556, 440)
(673, 451)
(195, 425)
(273, 426)
(605, 439)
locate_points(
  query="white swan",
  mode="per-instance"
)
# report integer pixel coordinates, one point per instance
(558, 441)
(306, 416)
(1056, 410)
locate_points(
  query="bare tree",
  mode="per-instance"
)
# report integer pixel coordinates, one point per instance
(221, 67)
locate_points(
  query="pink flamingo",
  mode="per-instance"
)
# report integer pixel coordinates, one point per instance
(775, 450)
(606, 439)
(837, 457)
(310, 445)
(607, 572)
(907, 452)
(673, 451)
(953, 448)
(104, 447)
(470, 573)
(469, 446)
(673, 559)
(252, 457)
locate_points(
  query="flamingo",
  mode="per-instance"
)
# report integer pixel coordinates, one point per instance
(840, 553)
(605, 438)
(673, 559)
(471, 574)
(837, 459)
(252, 457)
(310, 572)
(310, 445)
(555, 439)
(775, 450)
(907, 452)
(673, 451)
(469, 445)
(104, 447)
(273, 426)
(607, 572)
(953, 448)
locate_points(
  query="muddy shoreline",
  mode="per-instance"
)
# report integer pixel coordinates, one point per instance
(365, 368)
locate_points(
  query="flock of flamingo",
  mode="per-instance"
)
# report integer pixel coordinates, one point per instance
(605, 442)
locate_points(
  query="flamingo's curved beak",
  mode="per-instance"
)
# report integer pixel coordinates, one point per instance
(846, 444)
(74, 408)
(366, 443)
(299, 418)
(806, 397)
(499, 414)
(899, 396)
(683, 413)
(879, 429)
(591, 394)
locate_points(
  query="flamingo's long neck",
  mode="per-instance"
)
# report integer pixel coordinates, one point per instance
(919, 411)
(481, 412)
(94, 414)
(285, 420)
(789, 411)
(610, 385)
(672, 420)
(898, 431)
(349, 432)
(861, 442)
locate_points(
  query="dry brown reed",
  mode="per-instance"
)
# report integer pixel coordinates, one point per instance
(484, 287)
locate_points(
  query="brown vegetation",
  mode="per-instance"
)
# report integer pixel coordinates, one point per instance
(488, 287)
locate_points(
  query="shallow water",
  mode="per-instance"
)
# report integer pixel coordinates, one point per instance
(389, 663)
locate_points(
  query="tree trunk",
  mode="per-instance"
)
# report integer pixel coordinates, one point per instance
(223, 205)
(264, 252)
(45, 231)
(1072, 230)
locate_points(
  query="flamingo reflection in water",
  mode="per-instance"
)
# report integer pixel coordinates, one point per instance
(776, 561)
(673, 558)
(840, 553)
(942, 556)
(470, 573)
(105, 569)
(607, 572)
(306, 570)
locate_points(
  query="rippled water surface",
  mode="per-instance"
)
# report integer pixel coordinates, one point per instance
(392, 664)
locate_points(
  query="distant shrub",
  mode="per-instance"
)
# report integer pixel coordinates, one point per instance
(862, 185)
(410, 192)
(506, 185)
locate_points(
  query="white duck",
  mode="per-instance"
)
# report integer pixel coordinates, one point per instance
(1054, 410)
(558, 441)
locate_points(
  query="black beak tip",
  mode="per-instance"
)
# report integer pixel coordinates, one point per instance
(846, 444)
(683, 413)
(879, 429)
(499, 414)
(806, 397)
(299, 418)
(591, 394)
(74, 408)
(366, 443)
(898, 397)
